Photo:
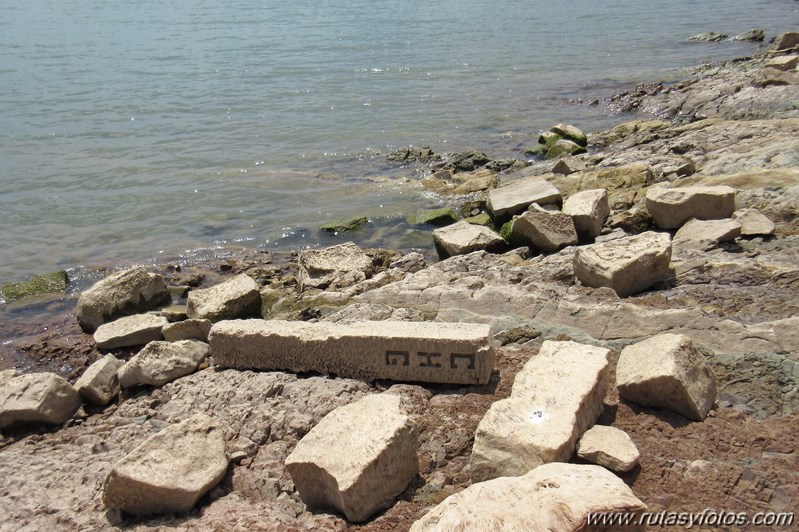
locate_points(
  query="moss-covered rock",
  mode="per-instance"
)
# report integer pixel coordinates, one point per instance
(570, 132)
(480, 219)
(437, 217)
(48, 283)
(545, 142)
(345, 226)
(564, 148)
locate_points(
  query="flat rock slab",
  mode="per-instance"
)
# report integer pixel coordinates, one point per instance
(627, 265)
(170, 471)
(357, 459)
(753, 223)
(516, 197)
(128, 331)
(238, 297)
(667, 371)
(191, 329)
(706, 234)
(37, 398)
(99, 384)
(672, 207)
(556, 397)
(550, 497)
(608, 447)
(462, 237)
(459, 353)
(161, 362)
(589, 209)
(544, 230)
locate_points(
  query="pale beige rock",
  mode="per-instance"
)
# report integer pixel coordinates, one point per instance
(129, 331)
(517, 196)
(120, 294)
(557, 497)
(706, 234)
(786, 41)
(672, 207)
(783, 62)
(344, 257)
(609, 447)
(667, 371)
(544, 230)
(403, 351)
(357, 459)
(37, 398)
(753, 223)
(556, 397)
(627, 265)
(238, 297)
(192, 329)
(99, 384)
(170, 471)
(7, 375)
(161, 362)
(462, 237)
(589, 209)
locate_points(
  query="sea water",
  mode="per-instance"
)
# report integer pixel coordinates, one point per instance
(141, 130)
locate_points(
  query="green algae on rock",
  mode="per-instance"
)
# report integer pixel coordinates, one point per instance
(438, 217)
(345, 226)
(47, 283)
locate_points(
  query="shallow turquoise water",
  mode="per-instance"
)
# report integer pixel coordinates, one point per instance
(140, 129)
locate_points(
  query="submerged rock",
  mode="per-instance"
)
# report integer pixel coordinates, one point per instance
(437, 217)
(345, 226)
(47, 283)
(709, 36)
(37, 398)
(756, 35)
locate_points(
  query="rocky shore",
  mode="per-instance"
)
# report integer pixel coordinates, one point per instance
(611, 327)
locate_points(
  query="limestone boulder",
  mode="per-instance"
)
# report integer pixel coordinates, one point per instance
(711, 36)
(357, 459)
(322, 267)
(161, 362)
(670, 208)
(128, 331)
(609, 447)
(170, 471)
(238, 297)
(99, 384)
(192, 329)
(783, 62)
(627, 265)
(462, 237)
(560, 497)
(755, 34)
(7, 375)
(120, 294)
(753, 223)
(786, 41)
(556, 397)
(589, 209)
(667, 371)
(564, 148)
(706, 234)
(543, 230)
(37, 398)
(516, 197)
(570, 132)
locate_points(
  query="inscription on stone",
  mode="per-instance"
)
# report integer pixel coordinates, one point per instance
(426, 360)
(456, 360)
(397, 358)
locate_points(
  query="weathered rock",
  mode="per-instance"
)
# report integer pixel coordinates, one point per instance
(345, 226)
(468, 160)
(634, 220)
(556, 397)
(544, 230)
(7, 375)
(570, 132)
(786, 41)
(357, 459)
(47, 283)
(706, 234)
(99, 384)
(437, 217)
(753, 223)
(193, 329)
(161, 362)
(238, 297)
(409, 263)
(709, 36)
(447, 182)
(404, 351)
(783, 62)
(560, 497)
(755, 34)
(321, 267)
(564, 148)
(609, 447)
(672, 207)
(516, 197)
(120, 294)
(667, 371)
(37, 398)
(462, 237)
(589, 209)
(627, 265)
(128, 331)
(170, 471)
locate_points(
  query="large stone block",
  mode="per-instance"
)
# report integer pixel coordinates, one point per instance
(37, 398)
(161, 362)
(170, 471)
(357, 459)
(462, 237)
(120, 294)
(589, 209)
(667, 371)
(543, 230)
(193, 329)
(560, 497)
(516, 197)
(99, 384)
(627, 265)
(609, 447)
(139, 329)
(403, 351)
(672, 207)
(556, 397)
(706, 234)
(238, 297)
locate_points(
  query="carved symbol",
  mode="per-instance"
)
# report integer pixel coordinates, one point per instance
(393, 358)
(426, 360)
(461, 356)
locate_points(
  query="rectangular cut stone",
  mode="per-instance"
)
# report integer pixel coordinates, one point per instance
(518, 195)
(458, 353)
